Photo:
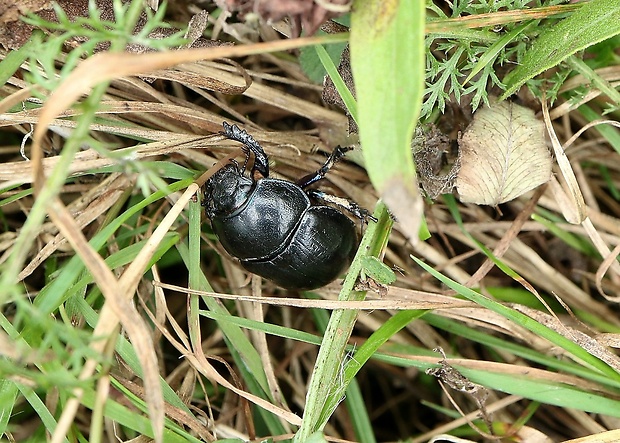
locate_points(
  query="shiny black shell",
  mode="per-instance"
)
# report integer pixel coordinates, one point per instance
(271, 226)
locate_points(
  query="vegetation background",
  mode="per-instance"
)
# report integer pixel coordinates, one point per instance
(123, 319)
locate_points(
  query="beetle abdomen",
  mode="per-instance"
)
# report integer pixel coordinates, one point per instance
(320, 250)
(263, 225)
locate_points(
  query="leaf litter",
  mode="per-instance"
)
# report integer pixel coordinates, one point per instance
(503, 155)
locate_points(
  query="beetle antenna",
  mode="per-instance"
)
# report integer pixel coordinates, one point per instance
(261, 162)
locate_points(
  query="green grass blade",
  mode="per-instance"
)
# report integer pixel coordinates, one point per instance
(326, 378)
(545, 391)
(593, 78)
(359, 414)
(242, 350)
(12, 61)
(387, 60)
(249, 355)
(8, 395)
(47, 419)
(354, 402)
(611, 133)
(378, 338)
(551, 362)
(311, 64)
(490, 55)
(136, 420)
(267, 328)
(572, 240)
(339, 84)
(594, 22)
(524, 321)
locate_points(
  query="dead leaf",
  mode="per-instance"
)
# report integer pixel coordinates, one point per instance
(503, 155)
(429, 147)
(565, 187)
(303, 14)
(330, 93)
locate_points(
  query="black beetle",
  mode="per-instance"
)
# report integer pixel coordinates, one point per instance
(272, 227)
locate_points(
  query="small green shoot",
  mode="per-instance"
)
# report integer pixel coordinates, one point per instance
(377, 270)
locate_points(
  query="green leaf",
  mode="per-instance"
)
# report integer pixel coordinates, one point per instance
(311, 63)
(387, 60)
(13, 60)
(377, 270)
(339, 84)
(594, 22)
(489, 56)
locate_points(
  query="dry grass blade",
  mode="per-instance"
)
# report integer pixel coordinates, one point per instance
(410, 300)
(107, 66)
(602, 437)
(119, 304)
(610, 260)
(569, 195)
(22, 172)
(88, 208)
(574, 207)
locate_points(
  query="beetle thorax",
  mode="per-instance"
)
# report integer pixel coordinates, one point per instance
(226, 191)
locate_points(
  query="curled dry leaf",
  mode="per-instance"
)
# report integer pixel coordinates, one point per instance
(503, 155)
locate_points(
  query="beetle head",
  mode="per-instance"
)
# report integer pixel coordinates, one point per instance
(226, 191)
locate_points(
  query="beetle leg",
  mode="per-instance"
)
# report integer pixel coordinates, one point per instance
(336, 155)
(346, 204)
(261, 162)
